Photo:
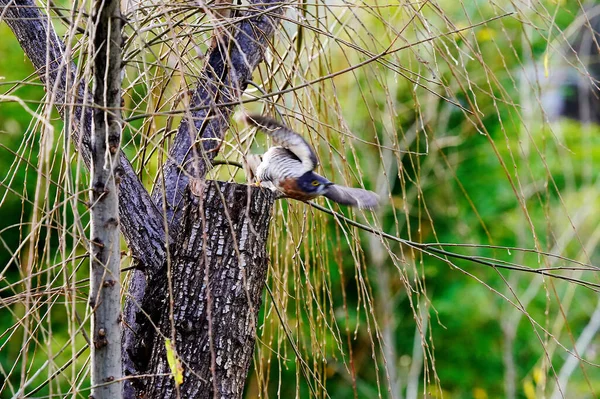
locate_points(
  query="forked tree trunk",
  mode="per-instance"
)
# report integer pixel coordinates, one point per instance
(214, 324)
(217, 270)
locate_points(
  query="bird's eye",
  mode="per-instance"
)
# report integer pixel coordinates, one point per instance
(315, 183)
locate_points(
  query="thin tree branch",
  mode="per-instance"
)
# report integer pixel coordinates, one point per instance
(584, 341)
(433, 250)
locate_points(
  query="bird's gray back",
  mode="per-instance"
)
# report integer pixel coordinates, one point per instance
(278, 164)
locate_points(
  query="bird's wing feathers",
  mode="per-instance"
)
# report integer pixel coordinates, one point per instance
(286, 138)
(279, 163)
(251, 166)
(358, 197)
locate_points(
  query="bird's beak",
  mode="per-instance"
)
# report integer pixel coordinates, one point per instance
(328, 184)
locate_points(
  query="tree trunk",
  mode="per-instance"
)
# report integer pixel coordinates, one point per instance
(230, 65)
(217, 273)
(105, 238)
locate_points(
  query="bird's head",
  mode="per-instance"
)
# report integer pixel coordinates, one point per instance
(312, 183)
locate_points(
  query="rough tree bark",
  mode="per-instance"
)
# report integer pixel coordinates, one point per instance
(105, 240)
(218, 272)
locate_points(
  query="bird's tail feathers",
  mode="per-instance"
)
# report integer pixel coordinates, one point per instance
(261, 122)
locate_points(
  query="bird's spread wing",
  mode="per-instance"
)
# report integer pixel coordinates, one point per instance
(358, 197)
(286, 138)
(279, 164)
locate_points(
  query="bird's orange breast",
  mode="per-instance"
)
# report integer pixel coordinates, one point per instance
(290, 188)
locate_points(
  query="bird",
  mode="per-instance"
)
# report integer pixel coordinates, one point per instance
(288, 168)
